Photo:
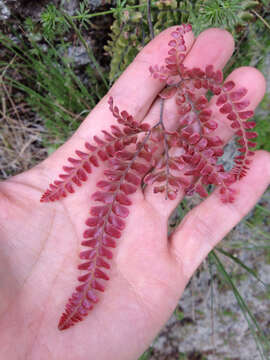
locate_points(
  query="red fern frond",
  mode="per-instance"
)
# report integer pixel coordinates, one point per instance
(104, 228)
(187, 159)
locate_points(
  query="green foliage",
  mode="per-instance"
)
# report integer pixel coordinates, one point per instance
(53, 22)
(59, 96)
(262, 343)
(260, 216)
(179, 314)
(263, 130)
(254, 43)
(253, 50)
(263, 121)
(223, 13)
(83, 14)
(252, 272)
(182, 356)
(130, 30)
(53, 88)
(146, 355)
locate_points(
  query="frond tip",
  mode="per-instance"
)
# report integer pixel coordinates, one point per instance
(105, 226)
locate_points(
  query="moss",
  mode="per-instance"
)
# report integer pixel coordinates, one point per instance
(199, 314)
(227, 313)
(182, 356)
(179, 314)
(146, 355)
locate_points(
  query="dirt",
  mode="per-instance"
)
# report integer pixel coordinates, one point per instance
(219, 330)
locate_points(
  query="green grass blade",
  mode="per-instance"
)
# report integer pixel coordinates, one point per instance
(87, 48)
(263, 208)
(247, 268)
(260, 339)
(249, 247)
(259, 231)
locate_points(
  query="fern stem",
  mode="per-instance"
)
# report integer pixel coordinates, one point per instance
(261, 18)
(108, 12)
(210, 268)
(165, 147)
(149, 20)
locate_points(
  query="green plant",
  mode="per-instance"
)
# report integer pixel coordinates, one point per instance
(179, 314)
(53, 88)
(131, 30)
(182, 356)
(262, 343)
(146, 355)
(53, 22)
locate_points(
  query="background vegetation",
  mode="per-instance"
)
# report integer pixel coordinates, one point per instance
(57, 64)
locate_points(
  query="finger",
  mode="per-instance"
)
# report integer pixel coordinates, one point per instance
(220, 51)
(134, 92)
(208, 223)
(213, 46)
(136, 89)
(245, 77)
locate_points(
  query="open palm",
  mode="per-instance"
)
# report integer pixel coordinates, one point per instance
(40, 243)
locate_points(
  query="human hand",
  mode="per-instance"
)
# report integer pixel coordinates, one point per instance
(40, 242)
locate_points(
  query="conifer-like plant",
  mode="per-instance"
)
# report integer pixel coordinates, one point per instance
(137, 154)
